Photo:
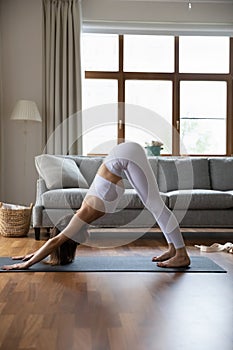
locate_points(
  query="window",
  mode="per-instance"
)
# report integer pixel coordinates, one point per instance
(148, 53)
(100, 52)
(203, 117)
(141, 124)
(177, 90)
(204, 54)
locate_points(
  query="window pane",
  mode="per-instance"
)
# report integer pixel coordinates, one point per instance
(148, 53)
(100, 52)
(205, 99)
(203, 117)
(202, 136)
(99, 116)
(204, 54)
(153, 120)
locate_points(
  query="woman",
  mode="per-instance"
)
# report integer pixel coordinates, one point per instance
(103, 197)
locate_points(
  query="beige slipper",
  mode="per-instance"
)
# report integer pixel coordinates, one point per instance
(216, 247)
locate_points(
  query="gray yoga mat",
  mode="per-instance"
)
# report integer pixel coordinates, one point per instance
(117, 264)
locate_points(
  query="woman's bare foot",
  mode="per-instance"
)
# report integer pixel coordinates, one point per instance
(180, 259)
(167, 255)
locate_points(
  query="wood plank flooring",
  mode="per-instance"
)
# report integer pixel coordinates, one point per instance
(118, 311)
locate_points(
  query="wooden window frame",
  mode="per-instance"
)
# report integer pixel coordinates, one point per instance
(175, 77)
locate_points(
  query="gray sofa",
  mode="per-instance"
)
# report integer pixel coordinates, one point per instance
(198, 190)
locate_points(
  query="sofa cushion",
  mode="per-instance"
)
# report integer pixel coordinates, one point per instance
(131, 200)
(63, 198)
(59, 172)
(200, 199)
(221, 173)
(183, 173)
(72, 198)
(154, 165)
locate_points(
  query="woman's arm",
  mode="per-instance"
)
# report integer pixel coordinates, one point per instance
(40, 254)
(72, 231)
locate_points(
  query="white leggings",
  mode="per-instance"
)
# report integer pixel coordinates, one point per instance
(131, 159)
(108, 193)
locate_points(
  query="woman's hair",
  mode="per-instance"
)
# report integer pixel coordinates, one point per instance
(64, 254)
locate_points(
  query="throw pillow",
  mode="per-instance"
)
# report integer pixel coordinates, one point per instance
(59, 172)
(221, 172)
(183, 173)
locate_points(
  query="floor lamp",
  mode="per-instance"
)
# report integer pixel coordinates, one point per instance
(25, 111)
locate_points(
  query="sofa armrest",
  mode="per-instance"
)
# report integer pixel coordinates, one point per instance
(40, 189)
(38, 207)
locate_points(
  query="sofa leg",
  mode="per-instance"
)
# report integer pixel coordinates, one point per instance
(37, 233)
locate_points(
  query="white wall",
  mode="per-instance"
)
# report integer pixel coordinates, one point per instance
(21, 59)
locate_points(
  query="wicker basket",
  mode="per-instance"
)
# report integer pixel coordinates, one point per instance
(15, 222)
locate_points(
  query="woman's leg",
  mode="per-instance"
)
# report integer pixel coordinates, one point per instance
(131, 158)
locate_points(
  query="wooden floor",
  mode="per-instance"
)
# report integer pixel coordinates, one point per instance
(118, 311)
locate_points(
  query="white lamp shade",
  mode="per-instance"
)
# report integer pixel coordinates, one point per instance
(26, 110)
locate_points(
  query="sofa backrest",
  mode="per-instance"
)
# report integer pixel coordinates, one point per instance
(181, 173)
(173, 173)
(88, 166)
(221, 173)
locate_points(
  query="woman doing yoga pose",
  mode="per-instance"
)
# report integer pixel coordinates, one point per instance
(103, 197)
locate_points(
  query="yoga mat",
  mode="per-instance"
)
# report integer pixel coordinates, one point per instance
(118, 264)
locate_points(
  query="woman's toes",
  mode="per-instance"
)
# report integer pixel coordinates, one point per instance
(165, 256)
(155, 258)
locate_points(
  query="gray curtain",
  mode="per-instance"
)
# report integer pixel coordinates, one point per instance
(62, 95)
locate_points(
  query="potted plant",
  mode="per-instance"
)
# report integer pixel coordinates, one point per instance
(154, 148)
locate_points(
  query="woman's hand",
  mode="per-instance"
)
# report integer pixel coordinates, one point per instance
(39, 255)
(21, 266)
(23, 257)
